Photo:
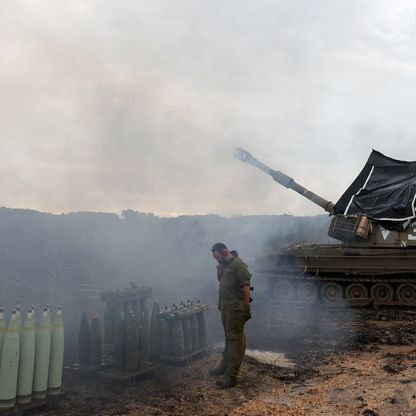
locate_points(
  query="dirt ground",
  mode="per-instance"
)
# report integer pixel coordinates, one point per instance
(345, 362)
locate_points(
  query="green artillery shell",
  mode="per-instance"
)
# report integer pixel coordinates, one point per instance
(132, 344)
(187, 338)
(9, 364)
(96, 343)
(202, 329)
(155, 332)
(194, 333)
(42, 356)
(120, 343)
(27, 360)
(109, 323)
(144, 339)
(84, 341)
(166, 336)
(178, 347)
(57, 355)
(2, 329)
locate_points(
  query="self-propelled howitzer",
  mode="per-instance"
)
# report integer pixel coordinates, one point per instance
(375, 222)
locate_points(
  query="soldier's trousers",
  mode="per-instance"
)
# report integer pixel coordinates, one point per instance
(235, 340)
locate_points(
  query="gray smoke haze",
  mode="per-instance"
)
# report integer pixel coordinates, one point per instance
(114, 105)
(70, 259)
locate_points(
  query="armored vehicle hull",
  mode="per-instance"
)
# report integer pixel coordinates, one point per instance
(330, 273)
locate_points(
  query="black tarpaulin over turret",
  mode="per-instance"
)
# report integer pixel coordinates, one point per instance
(385, 190)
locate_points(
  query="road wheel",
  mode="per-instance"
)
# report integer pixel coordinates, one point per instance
(406, 293)
(331, 292)
(284, 292)
(307, 293)
(356, 291)
(382, 293)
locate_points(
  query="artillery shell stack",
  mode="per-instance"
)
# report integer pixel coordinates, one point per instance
(127, 333)
(30, 361)
(183, 333)
(118, 304)
(90, 347)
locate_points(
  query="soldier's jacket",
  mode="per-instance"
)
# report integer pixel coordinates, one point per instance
(232, 277)
(220, 271)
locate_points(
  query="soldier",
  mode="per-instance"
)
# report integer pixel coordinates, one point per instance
(234, 305)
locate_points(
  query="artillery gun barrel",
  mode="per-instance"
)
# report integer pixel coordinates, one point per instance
(284, 180)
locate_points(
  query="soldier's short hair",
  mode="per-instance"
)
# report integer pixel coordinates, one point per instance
(219, 247)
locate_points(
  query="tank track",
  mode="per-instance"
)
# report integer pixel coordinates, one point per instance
(298, 288)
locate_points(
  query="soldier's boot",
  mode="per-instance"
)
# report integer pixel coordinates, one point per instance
(218, 371)
(226, 382)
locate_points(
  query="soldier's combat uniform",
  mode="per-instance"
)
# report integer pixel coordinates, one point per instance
(233, 277)
(220, 271)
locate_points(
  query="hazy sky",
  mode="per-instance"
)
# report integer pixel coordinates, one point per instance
(111, 105)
